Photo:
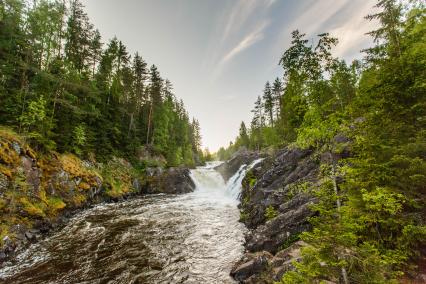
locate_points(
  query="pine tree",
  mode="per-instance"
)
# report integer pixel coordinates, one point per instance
(268, 100)
(277, 93)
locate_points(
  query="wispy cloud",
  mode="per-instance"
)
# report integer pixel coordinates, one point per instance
(250, 39)
(342, 19)
(352, 33)
(240, 27)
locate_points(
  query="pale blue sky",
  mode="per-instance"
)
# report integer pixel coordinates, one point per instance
(219, 53)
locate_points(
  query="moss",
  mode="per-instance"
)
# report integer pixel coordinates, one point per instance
(246, 200)
(31, 209)
(56, 204)
(73, 165)
(78, 199)
(8, 155)
(4, 231)
(243, 216)
(250, 179)
(84, 186)
(6, 171)
(3, 204)
(118, 178)
(270, 213)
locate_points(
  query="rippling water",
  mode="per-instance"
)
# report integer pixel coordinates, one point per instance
(191, 238)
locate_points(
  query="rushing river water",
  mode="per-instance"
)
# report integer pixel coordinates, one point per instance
(190, 238)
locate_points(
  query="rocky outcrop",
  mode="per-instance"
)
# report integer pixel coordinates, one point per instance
(263, 267)
(171, 181)
(239, 158)
(275, 206)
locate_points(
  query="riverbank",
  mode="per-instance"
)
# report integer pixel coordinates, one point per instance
(39, 192)
(161, 238)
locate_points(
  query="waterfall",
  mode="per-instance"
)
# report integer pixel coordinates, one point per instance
(233, 186)
(210, 184)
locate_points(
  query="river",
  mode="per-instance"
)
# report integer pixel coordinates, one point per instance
(190, 238)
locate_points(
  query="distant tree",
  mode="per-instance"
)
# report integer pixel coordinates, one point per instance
(269, 103)
(277, 93)
(244, 137)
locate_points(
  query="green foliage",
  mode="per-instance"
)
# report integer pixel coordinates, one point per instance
(250, 178)
(243, 216)
(64, 91)
(270, 212)
(367, 123)
(289, 241)
(298, 188)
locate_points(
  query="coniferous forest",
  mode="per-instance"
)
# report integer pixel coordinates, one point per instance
(84, 122)
(371, 226)
(68, 90)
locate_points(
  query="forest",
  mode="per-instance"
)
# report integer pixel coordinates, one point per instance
(370, 226)
(66, 90)
(75, 97)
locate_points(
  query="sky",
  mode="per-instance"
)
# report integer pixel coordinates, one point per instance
(219, 53)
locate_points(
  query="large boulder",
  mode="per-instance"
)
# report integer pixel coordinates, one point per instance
(172, 181)
(251, 264)
(282, 229)
(263, 267)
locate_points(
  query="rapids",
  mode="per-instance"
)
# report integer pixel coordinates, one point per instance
(190, 238)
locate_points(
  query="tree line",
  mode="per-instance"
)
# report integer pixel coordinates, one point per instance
(66, 90)
(371, 224)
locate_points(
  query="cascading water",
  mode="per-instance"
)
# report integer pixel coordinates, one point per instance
(191, 238)
(233, 186)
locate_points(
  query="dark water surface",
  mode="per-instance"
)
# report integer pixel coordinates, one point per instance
(191, 238)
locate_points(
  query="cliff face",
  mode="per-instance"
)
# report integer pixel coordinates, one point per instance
(275, 206)
(38, 192)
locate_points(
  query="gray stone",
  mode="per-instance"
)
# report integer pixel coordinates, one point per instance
(16, 147)
(31, 237)
(172, 181)
(253, 264)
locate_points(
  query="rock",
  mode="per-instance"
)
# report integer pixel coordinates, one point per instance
(281, 183)
(275, 183)
(172, 181)
(282, 262)
(154, 171)
(274, 233)
(32, 173)
(8, 245)
(251, 265)
(30, 236)
(241, 157)
(2, 256)
(136, 184)
(16, 147)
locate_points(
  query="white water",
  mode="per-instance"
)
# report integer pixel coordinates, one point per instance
(233, 186)
(190, 238)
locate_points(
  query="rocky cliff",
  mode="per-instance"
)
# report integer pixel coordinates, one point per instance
(40, 191)
(275, 206)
